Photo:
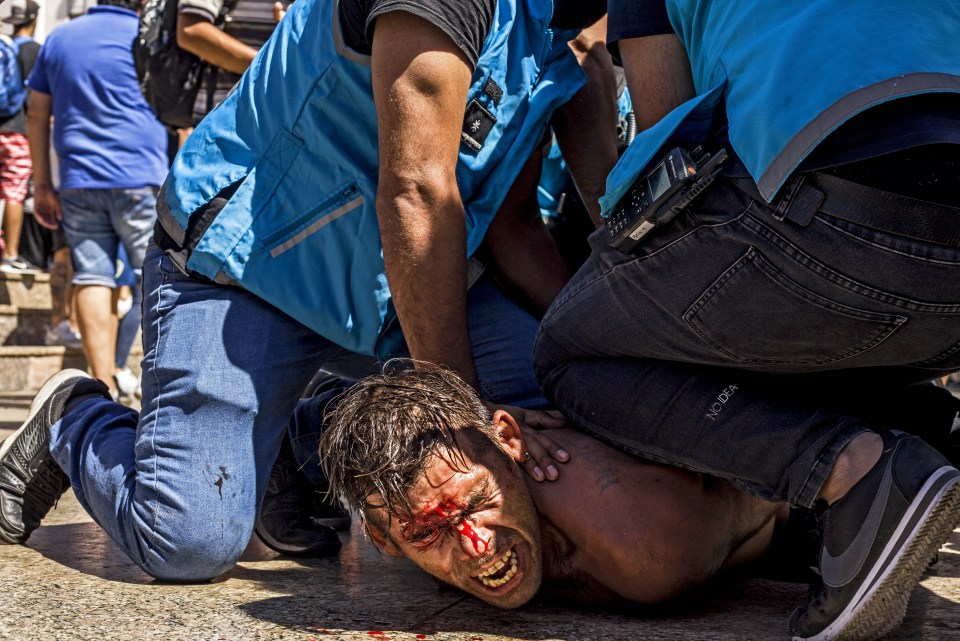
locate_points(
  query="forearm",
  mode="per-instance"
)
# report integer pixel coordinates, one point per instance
(519, 249)
(420, 82)
(38, 135)
(201, 38)
(658, 76)
(586, 125)
(424, 242)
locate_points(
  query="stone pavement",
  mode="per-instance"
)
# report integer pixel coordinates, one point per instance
(72, 583)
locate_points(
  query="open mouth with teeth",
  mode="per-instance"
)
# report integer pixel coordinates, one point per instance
(500, 572)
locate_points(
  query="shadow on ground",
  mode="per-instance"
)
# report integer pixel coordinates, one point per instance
(72, 582)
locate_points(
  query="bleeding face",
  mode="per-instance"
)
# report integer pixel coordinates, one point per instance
(475, 526)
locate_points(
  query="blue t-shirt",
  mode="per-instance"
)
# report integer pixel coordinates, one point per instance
(104, 132)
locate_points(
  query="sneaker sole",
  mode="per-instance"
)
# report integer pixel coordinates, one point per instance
(286, 548)
(46, 390)
(339, 524)
(881, 603)
(22, 272)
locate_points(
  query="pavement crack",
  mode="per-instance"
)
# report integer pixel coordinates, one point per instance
(422, 622)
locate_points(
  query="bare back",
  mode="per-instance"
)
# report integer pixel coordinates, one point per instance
(618, 526)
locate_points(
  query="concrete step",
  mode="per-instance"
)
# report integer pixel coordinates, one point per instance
(31, 291)
(26, 367)
(23, 325)
(14, 408)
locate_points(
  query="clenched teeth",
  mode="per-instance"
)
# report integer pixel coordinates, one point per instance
(487, 576)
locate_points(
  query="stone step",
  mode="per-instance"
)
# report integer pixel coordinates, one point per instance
(23, 325)
(14, 409)
(30, 291)
(24, 368)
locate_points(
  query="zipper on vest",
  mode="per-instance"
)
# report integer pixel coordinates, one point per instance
(543, 56)
(346, 194)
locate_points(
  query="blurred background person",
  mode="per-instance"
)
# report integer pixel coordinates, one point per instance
(112, 155)
(15, 166)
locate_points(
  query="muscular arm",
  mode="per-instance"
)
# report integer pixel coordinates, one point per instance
(420, 83)
(658, 75)
(519, 249)
(518, 245)
(202, 38)
(586, 125)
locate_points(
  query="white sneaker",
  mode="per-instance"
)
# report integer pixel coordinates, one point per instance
(124, 305)
(63, 334)
(17, 265)
(128, 383)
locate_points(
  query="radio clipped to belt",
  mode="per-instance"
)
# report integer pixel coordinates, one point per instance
(657, 197)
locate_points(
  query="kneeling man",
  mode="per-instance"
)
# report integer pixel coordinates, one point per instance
(437, 479)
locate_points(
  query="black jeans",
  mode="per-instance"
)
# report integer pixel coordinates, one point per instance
(754, 343)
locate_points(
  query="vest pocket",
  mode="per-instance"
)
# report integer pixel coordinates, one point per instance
(344, 200)
(754, 313)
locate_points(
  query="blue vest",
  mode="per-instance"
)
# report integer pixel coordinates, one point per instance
(300, 132)
(780, 102)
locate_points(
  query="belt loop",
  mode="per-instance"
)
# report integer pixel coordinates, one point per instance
(789, 192)
(800, 201)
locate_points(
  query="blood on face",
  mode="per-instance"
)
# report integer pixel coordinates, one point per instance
(448, 508)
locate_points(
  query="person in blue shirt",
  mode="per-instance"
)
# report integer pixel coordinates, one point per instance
(332, 200)
(112, 159)
(781, 331)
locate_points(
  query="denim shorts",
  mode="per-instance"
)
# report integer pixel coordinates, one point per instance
(98, 221)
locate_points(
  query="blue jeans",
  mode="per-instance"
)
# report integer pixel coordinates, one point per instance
(178, 487)
(98, 221)
(750, 347)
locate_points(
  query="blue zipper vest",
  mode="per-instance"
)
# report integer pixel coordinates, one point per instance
(300, 132)
(783, 101)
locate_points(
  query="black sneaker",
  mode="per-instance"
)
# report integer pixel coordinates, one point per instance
(877, 541)
(326, 509)
(30, 480)
(284, 524)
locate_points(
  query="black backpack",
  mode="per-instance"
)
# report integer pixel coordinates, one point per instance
(169, 76)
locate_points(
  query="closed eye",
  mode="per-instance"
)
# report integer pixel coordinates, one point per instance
(426, 537)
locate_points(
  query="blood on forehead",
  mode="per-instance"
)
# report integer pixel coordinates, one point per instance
(447, 509)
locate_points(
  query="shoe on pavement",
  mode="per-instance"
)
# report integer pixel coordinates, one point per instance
(31, 482)
(325, 508)
(283, 524)
(63, 334)
(17, 265)
(877, 541)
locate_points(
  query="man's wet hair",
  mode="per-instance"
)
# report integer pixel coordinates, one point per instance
(384, 430)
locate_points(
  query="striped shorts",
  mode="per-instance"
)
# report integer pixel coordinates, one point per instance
(15, 166)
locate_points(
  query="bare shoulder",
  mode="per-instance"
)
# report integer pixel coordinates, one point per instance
(643, 530)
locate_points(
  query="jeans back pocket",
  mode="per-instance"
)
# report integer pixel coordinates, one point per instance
(755, 314)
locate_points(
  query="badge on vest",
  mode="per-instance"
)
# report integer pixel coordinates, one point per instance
(477, 124)
(493, 91)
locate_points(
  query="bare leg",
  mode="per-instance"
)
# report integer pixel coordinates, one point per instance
(12, 225)
(97, 313)
(854, 461)
(61, 273)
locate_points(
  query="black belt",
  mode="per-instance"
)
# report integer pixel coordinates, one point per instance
(807, 193)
